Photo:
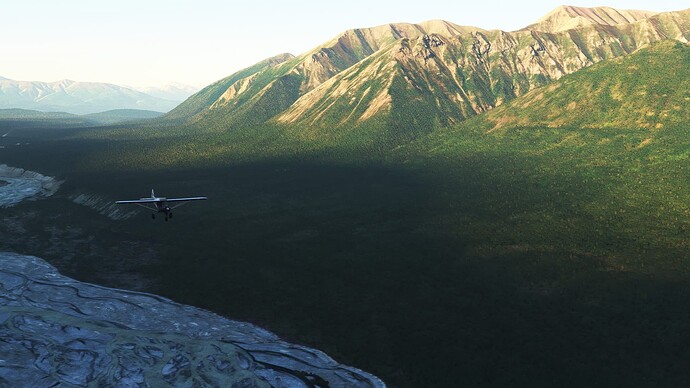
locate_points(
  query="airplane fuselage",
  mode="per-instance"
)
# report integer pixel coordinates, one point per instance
(160, 204)
(162, 207)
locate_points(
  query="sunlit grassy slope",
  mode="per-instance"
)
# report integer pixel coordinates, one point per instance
(601, 156)
(519, 254)
(649, 89)
(207, 96)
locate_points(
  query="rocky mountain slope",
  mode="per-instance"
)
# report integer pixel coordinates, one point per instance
(203, 99)
(422, 75)
(260, 92)
(76, 97)
(647, 89)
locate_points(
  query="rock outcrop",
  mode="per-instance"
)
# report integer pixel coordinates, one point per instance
(443, 79)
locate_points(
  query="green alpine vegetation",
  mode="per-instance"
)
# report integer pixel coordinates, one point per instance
(26, 117)
(435, 204)
(645, 90)
(118, 116)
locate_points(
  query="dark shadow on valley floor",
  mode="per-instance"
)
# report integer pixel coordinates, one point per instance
(412, 274)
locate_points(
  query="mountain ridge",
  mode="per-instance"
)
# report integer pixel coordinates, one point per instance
(451, 72)
(439, 70)
(567, 17)
(296, 75)
(646, 89)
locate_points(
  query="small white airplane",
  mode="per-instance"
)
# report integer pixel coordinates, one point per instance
(160, 204)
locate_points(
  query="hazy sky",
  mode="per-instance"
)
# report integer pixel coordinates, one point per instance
(154, 42)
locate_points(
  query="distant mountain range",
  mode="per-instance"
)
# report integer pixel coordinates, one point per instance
(417, 76)
(173, 92)
(87, 97)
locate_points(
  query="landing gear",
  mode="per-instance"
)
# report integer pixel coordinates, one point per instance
(167, 216)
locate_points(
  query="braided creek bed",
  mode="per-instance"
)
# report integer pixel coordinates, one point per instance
(56, 330)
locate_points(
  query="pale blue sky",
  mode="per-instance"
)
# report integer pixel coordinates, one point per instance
(154, 42)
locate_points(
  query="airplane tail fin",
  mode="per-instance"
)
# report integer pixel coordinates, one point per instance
(153, 195)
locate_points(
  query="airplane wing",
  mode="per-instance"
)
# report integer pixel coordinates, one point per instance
(185, 199)
(145, 200)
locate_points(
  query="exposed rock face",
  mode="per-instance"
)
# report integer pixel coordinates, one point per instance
(459, 76)
(244, 96)
(449, 72)
(355, 45)
(453, 77)
(55, 330)
(646, 89)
